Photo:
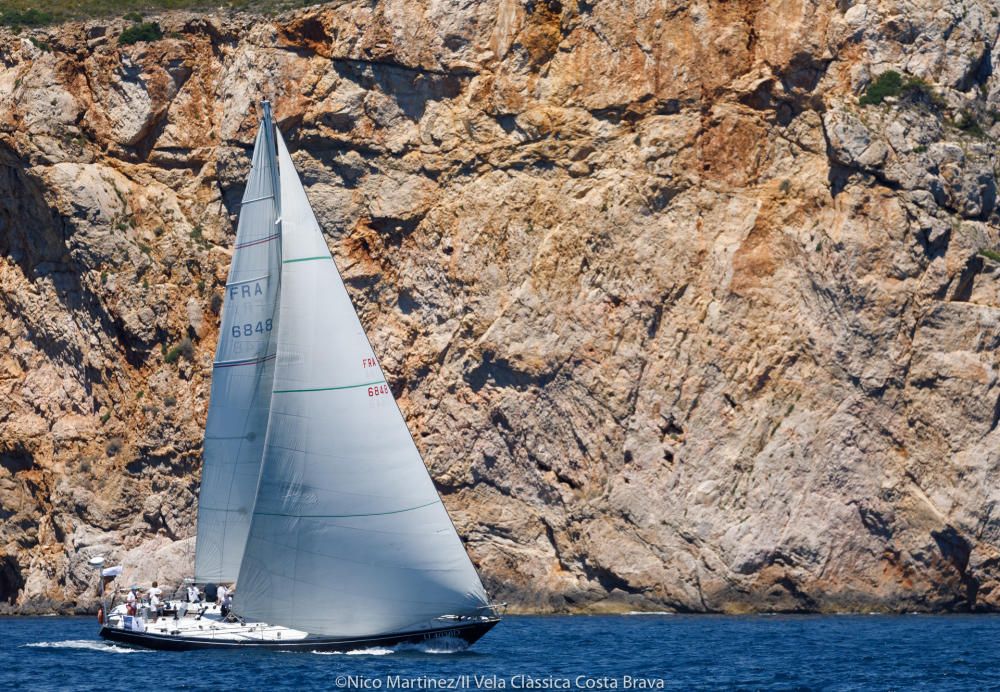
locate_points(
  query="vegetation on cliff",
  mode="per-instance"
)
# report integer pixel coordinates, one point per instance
(20, 14)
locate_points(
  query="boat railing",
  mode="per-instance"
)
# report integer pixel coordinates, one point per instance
(497, 610)
(115, 593)
(179, 596)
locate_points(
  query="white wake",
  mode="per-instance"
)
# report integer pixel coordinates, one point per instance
(438, 645)
(373, 651)
(88, 645)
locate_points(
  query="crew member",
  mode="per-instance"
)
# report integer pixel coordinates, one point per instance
(154, 598)
(131, 600)
(227, 604)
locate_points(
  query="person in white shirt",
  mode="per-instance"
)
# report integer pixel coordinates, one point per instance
(220, 595)
(193, 596)
(131, 600)
(154, 597)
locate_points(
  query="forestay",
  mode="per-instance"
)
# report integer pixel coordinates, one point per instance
(242, 375)
(349, 536)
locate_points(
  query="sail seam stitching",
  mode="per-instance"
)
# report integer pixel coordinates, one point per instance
(307, 259)
(327, 389)
(257, 199)
(268, 239)
(247, 281)
(234, 363)
(345, 516)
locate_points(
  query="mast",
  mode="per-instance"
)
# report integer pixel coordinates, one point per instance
(349, 536)
(242, 372)
(267, 123)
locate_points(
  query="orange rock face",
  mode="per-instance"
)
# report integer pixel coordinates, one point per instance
(676, 321)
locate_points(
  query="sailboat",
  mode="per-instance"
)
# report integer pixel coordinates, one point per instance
(314, 499)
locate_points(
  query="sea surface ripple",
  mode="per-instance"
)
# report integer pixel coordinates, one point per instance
(676, 652)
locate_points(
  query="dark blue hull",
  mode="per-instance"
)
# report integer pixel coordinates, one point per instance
(469, 632)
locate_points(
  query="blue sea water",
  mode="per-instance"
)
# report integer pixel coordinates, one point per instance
(679, 652)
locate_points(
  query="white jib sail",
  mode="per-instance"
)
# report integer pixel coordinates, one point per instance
(242, 375)
(349, 536)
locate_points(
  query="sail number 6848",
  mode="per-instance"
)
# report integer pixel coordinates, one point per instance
(378, 390)
(249, 329)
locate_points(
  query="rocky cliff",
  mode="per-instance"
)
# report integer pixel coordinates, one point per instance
(688, 304)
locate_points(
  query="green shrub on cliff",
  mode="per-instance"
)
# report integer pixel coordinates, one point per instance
(147, 31)
(886, 85)
(891, 84)
(19, 19)
(968, 122)
(184, 348)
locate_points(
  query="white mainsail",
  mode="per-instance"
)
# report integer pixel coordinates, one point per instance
(348, 536)
(242, 375)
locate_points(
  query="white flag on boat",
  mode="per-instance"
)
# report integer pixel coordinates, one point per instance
(111, 571)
